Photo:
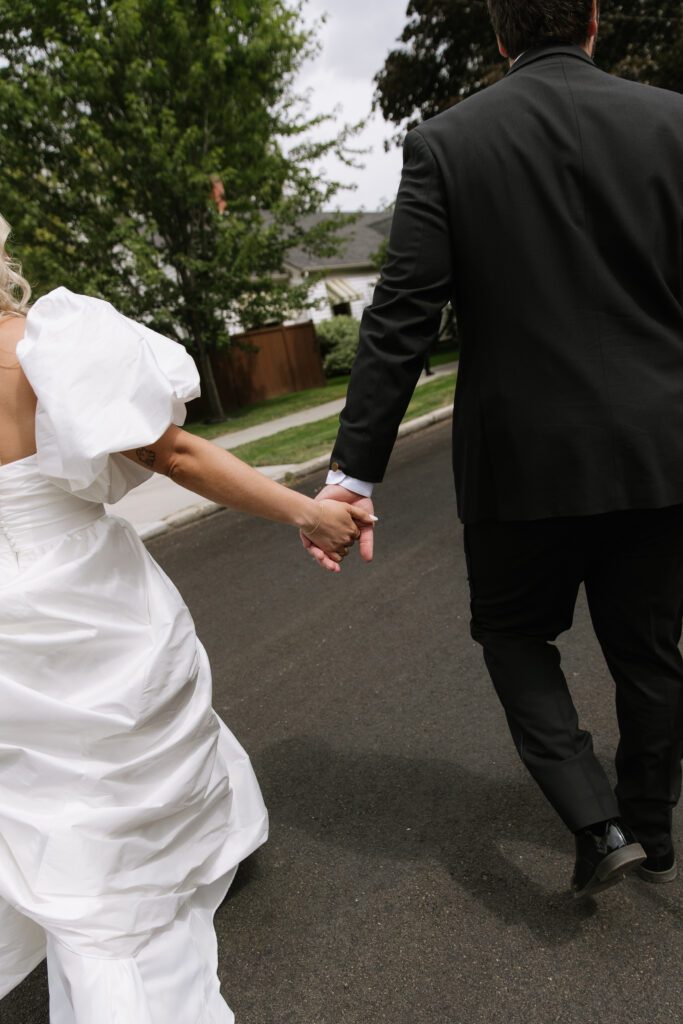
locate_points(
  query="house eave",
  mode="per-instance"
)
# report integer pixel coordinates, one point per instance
(333, 268)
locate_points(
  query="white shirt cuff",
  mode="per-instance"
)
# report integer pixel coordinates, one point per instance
(339, 477)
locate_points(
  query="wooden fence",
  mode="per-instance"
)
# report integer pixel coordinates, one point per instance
(264, 364)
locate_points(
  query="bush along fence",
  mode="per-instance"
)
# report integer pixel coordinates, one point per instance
(338, 344)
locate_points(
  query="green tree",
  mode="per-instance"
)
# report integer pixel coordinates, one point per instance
(380, 256)
(448, 52)
(154, 153)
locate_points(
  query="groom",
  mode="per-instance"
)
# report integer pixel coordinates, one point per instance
(549, 210)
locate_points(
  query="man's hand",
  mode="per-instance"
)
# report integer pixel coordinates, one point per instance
(337, 493)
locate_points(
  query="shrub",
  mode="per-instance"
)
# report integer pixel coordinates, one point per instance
(338, 339)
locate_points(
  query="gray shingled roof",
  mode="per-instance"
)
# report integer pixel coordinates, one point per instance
(359, 243)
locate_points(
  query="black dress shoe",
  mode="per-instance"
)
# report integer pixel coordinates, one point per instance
(660, 869)
(604, 855)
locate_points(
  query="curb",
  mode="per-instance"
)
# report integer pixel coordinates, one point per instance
(196, 512)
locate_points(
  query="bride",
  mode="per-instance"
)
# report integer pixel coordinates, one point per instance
(125, 803)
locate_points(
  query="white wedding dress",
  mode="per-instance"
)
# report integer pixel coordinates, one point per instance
(125, 803)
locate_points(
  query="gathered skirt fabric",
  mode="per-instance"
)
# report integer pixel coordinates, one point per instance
(125, 803)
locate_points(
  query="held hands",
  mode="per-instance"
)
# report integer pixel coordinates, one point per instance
(345, 518)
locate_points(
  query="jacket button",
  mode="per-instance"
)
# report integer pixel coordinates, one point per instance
(335, 467)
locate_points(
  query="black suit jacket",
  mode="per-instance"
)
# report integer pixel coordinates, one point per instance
(549, 209)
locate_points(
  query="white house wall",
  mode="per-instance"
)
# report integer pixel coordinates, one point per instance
(321, 311)
(362, 284)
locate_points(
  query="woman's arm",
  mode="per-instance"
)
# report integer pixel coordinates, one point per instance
(215, 474)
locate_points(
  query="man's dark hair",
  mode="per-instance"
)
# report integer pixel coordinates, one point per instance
(523, 24)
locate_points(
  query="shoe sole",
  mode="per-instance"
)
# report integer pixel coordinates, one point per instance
(613, 869)
(659, 877)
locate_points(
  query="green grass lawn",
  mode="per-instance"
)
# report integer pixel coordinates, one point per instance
(299, 444)
(440, 358)
(274, 408)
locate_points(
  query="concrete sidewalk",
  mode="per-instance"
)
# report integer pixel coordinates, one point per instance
(160, 505)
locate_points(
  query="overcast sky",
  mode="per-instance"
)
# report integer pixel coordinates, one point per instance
(355, 40)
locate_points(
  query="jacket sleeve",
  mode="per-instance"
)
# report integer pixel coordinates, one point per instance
(403, 320)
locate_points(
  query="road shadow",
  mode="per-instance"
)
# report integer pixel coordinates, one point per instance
(248, 873)
(389, 807)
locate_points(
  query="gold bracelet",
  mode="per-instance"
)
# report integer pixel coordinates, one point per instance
(317, 525)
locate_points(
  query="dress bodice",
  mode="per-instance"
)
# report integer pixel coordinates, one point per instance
(34, 511)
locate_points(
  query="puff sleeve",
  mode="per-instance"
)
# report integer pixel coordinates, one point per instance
(104, 384)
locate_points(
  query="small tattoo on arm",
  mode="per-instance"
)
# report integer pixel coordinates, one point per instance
(146, 456)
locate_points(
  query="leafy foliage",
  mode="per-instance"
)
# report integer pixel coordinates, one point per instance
(449, 52)
(154, 153)
(338, 339)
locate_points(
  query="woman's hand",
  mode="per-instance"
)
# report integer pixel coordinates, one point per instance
(337, 528)
(334, 492)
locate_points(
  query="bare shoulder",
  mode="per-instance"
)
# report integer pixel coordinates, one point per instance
(12, 329)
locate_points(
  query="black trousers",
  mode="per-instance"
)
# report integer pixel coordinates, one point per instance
(524, 579)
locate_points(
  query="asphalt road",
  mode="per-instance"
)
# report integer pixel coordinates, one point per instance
(414, 875)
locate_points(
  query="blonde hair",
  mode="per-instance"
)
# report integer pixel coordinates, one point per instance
(15, 291)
